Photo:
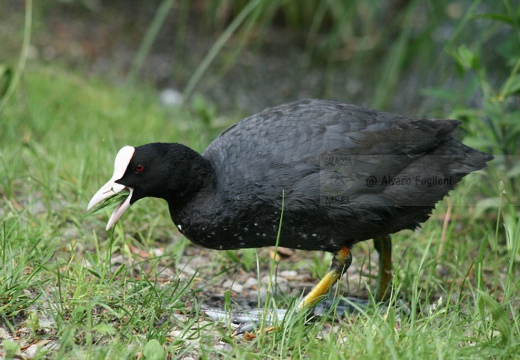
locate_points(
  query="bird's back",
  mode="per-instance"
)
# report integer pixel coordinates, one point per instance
(345, 173)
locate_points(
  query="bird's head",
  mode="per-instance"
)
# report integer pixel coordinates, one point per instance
(168, 171)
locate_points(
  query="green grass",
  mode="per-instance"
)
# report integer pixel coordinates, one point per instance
(76, 291)
(81, 292)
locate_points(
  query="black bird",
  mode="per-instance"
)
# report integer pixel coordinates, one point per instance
(339, 174)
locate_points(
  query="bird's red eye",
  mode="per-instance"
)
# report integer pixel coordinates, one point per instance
(139, 168)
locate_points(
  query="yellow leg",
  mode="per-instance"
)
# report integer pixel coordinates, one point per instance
(340, 263)
(383, 245)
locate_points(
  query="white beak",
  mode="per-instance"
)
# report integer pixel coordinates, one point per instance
(111, 187)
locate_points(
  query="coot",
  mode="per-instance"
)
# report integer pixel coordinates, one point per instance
(330, 173)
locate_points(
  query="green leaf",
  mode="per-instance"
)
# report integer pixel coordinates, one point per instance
(11, 348)
(464, 113)
(493, 111)
(227, 300)
(496, 17)
(105, 329)
(96, 274)
(6, 76)
(110, 203)
(95, 269)
(153, 350)
(511, 87)
(498, 314)
(467, 58)
(486, 204)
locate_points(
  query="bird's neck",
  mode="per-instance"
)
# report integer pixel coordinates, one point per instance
(198, 178)
(192, 209)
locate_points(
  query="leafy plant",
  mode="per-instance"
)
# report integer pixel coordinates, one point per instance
(488, 103)
(110, 202)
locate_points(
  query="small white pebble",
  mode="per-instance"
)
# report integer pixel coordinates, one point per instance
(234, 286)
(289, 274)
(251, 283)
(170, 97)
(4, 334)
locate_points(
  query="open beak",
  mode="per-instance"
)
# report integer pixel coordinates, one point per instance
(111, 187)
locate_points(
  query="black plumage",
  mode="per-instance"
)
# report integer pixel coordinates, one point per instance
(343, 173)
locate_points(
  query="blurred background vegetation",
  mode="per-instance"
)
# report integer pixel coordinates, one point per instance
(390, 54)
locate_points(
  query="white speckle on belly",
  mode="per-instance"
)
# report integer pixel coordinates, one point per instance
(179, 227)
